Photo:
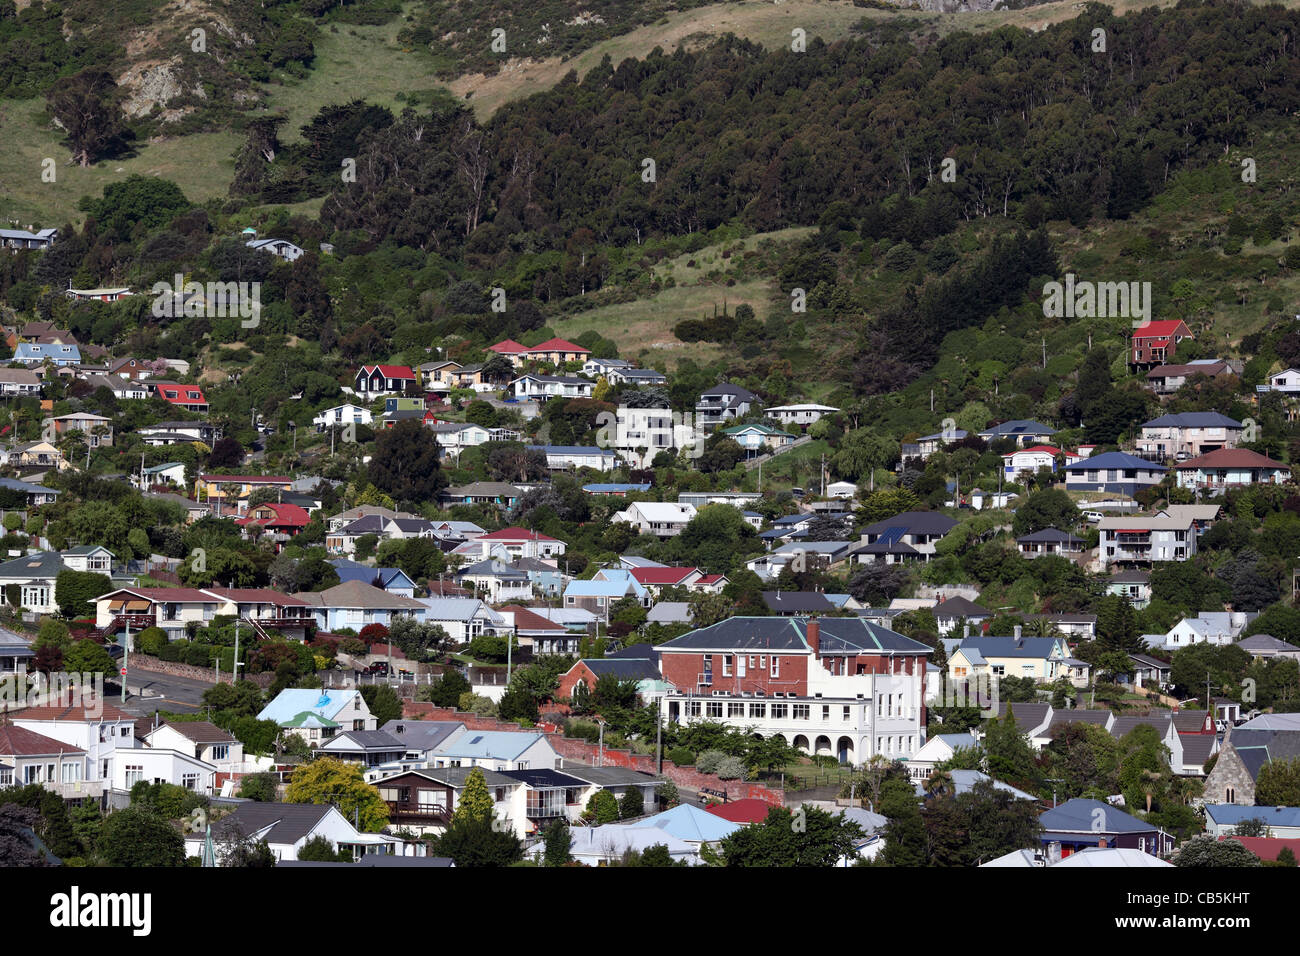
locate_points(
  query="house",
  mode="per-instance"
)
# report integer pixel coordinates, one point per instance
(1167, 379)
(201, 740)
(1280, 823)
(341, 415)
(737, 499)
(354, 604)
(916, 531)
(939, 748)
(36, 456)
(423, 799)
(642, 669)
(1177, 437)
(97, 429)
(542, 388)
(1082, 823)
(1154, 343)
(496, 581)
(280, 521)
(29, 757)
(1209, 627)
(670, 612)
(172, 609)
(759, 439)
(655, 579)
(638, 377)
(383, 379)
(287, 828)
(841, 489)
(1217, 471)
(1049, 541)
(1262, 645)
(1243, 754)
(664, 519)
(1142, 539)
(282, 248)
(16, 239)
(369, 748)
(1113, 472)
(722, 403)
(499, 750)
(616, 489)
(1024, 432)
(518, 542)
(617, 780)
(189, 397)
(1131, 584)
(168, 473)
(1070, 624)
(19, 381)
(800, 415)
(1026, 462)
(36, 353)
(642, 433)
(16, 654)
(541, 634)
(596, 367)
(1286, 381)
(31, 579)
(800, 556)
(927, 445)
(91, 732)
(1038, 658)
(831, 686)
(797, 603)
(228, 489)
(391, 580)
(345, 709)
(607, 588)
(480, 493)
(551, 352)
(170, 433)
(573, 457)
(951, 612)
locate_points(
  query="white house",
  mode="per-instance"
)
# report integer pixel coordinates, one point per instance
(661, 518)
(542, 388)
(283, 248)
(1029, 460)
(340, 415)
(801, 415)
(201, 740)
(287, 827)
(1141, 539)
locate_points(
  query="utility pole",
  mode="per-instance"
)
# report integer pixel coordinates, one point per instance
(126, 649)
(1044, 352)
(234, 666)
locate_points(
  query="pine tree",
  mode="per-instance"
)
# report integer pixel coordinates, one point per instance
(559, 843)
(475, 801)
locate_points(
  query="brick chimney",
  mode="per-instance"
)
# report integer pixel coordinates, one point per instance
(815, 637)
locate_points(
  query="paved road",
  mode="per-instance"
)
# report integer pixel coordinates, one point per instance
(148, 691)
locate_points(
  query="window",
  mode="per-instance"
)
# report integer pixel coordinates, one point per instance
(800, 712)
(826, 711)
(714, 708)
(134, 774)
(726, 665)
(190, 781)
(71, 772)
(433, 801)
(692, 708)
(999, 670)
(779, 711)
(776, 667)
(220, 751)
(1230, 795)
(6, 777)
(735, 710)
(848, 712)
(740, 666)
(358, 725)
(758, 710)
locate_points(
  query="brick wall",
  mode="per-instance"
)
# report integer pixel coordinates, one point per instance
(580, 751)
(144, 662)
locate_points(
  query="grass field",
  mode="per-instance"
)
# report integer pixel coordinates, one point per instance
(201, 164)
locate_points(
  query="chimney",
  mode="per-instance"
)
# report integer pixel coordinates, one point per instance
(965, 630)
(815, 637)
(1016, 631)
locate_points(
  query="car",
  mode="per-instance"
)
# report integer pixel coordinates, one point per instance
(797, 492)
(1093, 516)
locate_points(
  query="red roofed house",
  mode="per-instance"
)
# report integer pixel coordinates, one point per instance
(1029, 460)
(1267, 848)
(186, 396)
(1154, 343)
(655, 579)
(1230, 468)
(133, 609)
(553, 351)
(381, 379)
(521, 543)
(228, 489)
(29, 757)
(544, 635)
(745, 811)
(281, 521)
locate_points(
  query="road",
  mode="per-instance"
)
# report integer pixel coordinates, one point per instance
(149, 691)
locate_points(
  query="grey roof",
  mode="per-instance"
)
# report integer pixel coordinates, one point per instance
(960, 607)
(1197, 748)
(1193, 420)
(1018, 426)
(42, 564)
(1082, 815)
(1134, 576)
(1028, 715)
(13, 484)
(670, 612)
(915, 522)
(1077, 715)
(454, 777)
(838, 635)
(623, 668)
(1258, 747)
(1266, 642)
(611, 776)
(289, 822)
(365, 741)
(797, 602)
(543, 779)
(200, 731)
(1051, 535)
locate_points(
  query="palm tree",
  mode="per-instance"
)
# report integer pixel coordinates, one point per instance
(1150, 785)
(1041, 627)
(938, 783)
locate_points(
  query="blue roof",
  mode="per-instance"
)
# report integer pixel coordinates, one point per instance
(13, 484)
(31, 350)
(291, 702)
(621, 584)
(690, 824)
(1230, 814)
(1079, 814)
(605, 489)
(1019, 426)
(388, 577)
(491, 744)
(995, 646)
(572, 450)
(1114, 460)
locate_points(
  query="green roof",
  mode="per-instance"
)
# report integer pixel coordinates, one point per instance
(309, 719)
(762, 429)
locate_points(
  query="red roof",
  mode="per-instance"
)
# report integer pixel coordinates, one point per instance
(1266, 848)
(167, 595)
(286, 515)
(662, 575)
(526, 620)
(1044, 448)
(1232, 458)
(1165, 328)
(516, 534)
(257, 596)
(508, 347)
(390, 371)
(182, 394)
(748, 810)
(17, 742)
(711, 579)
(558, 345)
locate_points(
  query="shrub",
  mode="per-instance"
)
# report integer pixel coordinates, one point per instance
(731, 768)
(682, 757)
(151, 641)
(709, 760)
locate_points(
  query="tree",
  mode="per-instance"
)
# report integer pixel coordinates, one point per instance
(239, 850)
(75, 591)
(632, 804)
(905, 838)
(446, 691)
(1010, 756)
(19, 845)
(517, 704)
(87, 657)
(475, 802)
(139, 837)
(601, 808)
(1278, 784)
(476, 842)
(261, 787)
(806, 837)
(1050, 508)
(328, 780)
(226, 453)
(559, 844)
(1206, 850)
(405, 463)
(319, 849)
(85, 104)
(383, 702)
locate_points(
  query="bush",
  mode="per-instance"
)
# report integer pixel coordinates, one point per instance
(151, 641)
(170, 652)
(632, 804)
(731, 768)
(197, 655)
(682, 757)
(709, 760)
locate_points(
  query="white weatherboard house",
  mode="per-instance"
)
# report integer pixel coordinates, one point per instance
(662, 518)
(801, 415)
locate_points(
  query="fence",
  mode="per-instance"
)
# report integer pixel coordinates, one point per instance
(752, 463)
